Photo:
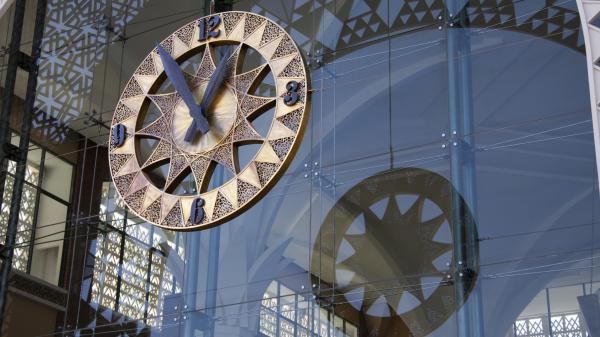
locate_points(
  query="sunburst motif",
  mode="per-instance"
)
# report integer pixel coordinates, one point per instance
(404, 245)
(230, 118)
(387, 249)
(240, 130)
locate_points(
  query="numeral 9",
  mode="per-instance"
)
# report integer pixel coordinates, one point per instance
(210, 31)
(118, 135)
(291, 96)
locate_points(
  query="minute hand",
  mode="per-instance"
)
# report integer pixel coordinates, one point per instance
(211, 89)
(175, 74)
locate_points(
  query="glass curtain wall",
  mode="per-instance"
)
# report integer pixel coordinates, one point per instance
(445, 184)
(43, 215)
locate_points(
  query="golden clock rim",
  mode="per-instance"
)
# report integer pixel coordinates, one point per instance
(282, 166)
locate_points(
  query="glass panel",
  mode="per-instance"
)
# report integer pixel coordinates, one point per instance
(49, 234)
(566, 315)
(418, 85)
(445, 184)
(338, 327)
(57, 177)
(112, 208)
(287, 309)
(351, 330)
(535, 207)
(34, 159)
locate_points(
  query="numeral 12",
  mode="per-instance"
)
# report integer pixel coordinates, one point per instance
(208, 27)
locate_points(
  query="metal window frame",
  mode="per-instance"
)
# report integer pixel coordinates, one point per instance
(39, 192)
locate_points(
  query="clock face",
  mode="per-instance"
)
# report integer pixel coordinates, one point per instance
(175, 147)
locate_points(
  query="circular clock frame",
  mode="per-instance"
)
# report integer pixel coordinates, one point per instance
(285, 63)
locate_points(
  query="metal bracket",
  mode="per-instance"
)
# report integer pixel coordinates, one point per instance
(465, 272)
(324, 302)
(314, 61)
(92, 120)
(453, 22)
(460, 20)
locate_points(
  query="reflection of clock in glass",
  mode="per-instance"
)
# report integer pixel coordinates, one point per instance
(387, 249)
(208, 121)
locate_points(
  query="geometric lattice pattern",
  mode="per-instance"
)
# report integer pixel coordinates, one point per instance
(552, 22)
(563, 325)
(123, 264)
(567, 326)
(75, 40)
(106, 265)
(533, 327)
(358, 21)
(134, 271)
(284, 313)
(26, 213)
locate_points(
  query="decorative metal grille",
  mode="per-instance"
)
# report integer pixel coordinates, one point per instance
(356, 22)
(130, 274)
(532, 327)
(567, 326)
(75, 39)
(562, 325)
(290, 315)
(26, 213)
(104, 286)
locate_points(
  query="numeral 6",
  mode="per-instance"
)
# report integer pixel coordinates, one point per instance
(197, 213)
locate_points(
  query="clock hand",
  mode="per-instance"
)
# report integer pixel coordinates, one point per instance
(175, 74)
(211, 89)
(215, 80)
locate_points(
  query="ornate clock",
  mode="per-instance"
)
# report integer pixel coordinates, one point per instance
(203, 116)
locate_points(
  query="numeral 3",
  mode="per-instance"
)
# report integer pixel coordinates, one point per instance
(291, 96)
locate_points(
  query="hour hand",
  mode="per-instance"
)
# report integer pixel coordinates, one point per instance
(175, 74)
(212, 87)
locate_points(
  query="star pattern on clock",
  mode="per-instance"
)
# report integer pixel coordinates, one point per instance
(405, 243)
(241, 132)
